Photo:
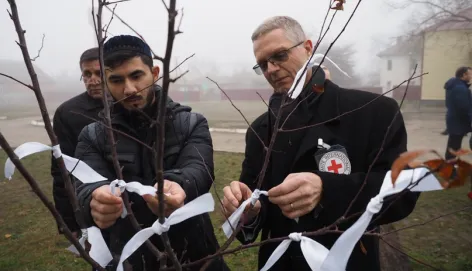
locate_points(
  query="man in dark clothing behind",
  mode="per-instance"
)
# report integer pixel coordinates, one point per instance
(67, 126)
(187, 160)
(459, 109)
(304, 180)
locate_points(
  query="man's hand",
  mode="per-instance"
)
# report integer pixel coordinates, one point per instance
(106, 207)
(174, 197)
(234, 195)
(298, 194)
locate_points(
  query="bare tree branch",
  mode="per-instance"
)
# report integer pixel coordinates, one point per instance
(18, 81)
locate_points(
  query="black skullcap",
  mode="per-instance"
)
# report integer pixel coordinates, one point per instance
(126, 42)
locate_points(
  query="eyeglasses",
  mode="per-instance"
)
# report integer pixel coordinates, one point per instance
(276, 58)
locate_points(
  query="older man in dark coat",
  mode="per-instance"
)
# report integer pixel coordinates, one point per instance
(305, 180)
(69, 119)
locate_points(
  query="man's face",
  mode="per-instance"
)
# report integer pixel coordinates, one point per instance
(280, 75)
(133, 79)
(92, 78)
(467, 76)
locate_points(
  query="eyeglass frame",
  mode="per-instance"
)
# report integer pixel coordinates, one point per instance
(257, 67)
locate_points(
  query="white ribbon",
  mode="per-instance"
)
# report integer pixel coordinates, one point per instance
(236, 216)
(76, 167)
(313, 251)
(295, 92)
(339, 254)
(99, 251)
(200, 205)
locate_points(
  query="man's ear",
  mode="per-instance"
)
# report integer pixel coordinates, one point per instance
(308, 45)
(155, 72)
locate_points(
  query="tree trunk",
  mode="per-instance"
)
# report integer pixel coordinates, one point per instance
(391, 259)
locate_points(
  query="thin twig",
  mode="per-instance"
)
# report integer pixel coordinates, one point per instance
(406, 254)
(178, 31)
(240, 112)
(18, 81)
(173, 80)
(40, 49)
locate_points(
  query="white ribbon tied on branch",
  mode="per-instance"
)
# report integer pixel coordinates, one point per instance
(79, 169)
(294, 92)
(134, 187)
(416, 180)
(233, 220)
(314, 252)
(200, 205)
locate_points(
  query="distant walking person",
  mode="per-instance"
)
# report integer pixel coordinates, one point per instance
(459, 108)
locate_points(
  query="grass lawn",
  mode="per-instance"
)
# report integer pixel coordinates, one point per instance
(29, 239)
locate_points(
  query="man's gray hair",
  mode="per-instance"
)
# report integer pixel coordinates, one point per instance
(293, 30)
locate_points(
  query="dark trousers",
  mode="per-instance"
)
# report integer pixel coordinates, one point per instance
(455, 142)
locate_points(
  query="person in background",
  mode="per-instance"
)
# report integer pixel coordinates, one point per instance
(459, 109)
(69, 119)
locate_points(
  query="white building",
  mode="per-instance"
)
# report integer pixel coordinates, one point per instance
(398, 63)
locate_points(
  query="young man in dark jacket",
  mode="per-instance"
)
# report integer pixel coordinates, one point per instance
(130, 76)
(69, 119)
(304, 180)
(459, 108)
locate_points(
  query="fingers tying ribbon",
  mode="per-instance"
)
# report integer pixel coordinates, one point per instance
(200, 205)
(236, 216)
(417, 180)
(76, 167)
(314, 252)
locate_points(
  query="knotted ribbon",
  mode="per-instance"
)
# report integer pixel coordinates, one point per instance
(295, 91)
(313, 251)
(233, 220)
(200, 205)
(416, 180)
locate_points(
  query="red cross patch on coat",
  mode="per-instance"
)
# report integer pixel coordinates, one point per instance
(335, 162)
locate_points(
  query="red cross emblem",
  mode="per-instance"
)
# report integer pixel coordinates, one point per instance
(335, 167)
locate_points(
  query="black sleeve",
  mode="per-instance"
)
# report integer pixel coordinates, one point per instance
(190, 172)
(252, 165)
(67, 144)
(89, 151)
(339, 189)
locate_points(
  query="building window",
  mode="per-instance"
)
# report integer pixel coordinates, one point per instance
(389, 65)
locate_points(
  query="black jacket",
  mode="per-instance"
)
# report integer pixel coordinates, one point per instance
(361, 133)
(459, 107)
(185, 133)
(67, 126)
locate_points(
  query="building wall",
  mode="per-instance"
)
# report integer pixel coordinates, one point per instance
(444, 52)
(399, 70)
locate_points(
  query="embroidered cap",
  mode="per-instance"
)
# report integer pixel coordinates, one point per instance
(126, 43)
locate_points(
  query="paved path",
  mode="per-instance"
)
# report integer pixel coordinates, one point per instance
(423, 132)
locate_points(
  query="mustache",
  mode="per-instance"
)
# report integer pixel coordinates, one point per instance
(133, 98)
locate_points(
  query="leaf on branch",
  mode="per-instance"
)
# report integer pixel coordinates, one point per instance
(450, 173)
(405, 159)
(339, 5)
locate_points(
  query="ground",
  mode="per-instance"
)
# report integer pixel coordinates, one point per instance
(29, 239)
